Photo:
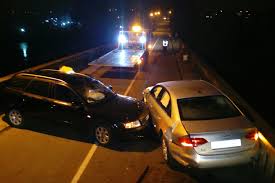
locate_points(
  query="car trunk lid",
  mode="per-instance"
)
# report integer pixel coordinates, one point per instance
(221, 136)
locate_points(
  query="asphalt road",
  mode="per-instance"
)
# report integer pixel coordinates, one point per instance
(51, 153)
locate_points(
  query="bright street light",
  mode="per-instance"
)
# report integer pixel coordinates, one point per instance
(22, 30)
(136, 28)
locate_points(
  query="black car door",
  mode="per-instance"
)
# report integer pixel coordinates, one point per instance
(67, 106)
(36, 99)
(12, 92)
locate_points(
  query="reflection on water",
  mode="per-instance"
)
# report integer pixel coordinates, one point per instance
(24, 48)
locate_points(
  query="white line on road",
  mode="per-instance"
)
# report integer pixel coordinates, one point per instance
(155, 44)
(84, 164)
(131, 84)
(135, 78)
(92, 150)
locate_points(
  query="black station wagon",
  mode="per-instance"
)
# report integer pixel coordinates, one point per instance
(75, 99)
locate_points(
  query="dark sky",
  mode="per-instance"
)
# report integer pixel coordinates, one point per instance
(46, 4)
(94, 4)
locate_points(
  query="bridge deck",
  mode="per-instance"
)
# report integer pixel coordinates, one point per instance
(118, 58)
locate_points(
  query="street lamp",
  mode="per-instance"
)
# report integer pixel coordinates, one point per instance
(23, 30)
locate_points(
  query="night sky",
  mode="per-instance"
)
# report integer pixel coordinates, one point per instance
(67, 5)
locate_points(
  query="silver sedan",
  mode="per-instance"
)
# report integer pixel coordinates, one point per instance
(199, 126)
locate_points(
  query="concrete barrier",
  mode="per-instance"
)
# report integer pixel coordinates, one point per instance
(266, 159)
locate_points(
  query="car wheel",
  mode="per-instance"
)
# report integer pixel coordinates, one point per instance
(15, 118)
(166, 154)
(103, 134)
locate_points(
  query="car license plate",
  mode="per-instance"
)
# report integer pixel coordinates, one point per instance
(226, 144)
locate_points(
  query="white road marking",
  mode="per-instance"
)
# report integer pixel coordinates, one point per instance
(84, 164)
(135, 78)
(155, 44)
(130, 86)
(91, 152)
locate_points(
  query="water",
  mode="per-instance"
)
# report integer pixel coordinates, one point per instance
(24, 50)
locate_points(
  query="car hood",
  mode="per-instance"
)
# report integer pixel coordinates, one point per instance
(233, 123)
(119, 108)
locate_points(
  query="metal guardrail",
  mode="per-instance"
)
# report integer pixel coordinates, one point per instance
(77, 61)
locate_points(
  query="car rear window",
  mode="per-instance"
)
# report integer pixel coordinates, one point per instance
(206, 108)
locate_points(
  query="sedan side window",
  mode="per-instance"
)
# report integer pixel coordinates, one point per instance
(165, 99)
(38, 87)
(63, 93)
(156, 91)
(166, 102)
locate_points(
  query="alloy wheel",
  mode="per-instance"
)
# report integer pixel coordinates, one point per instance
(102, 135)
(15, 117)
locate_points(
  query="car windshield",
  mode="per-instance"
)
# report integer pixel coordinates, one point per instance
(206, 108)
(93, 91)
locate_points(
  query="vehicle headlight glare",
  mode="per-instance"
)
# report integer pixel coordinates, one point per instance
(142, 39)
(132, 124)
(122, 39)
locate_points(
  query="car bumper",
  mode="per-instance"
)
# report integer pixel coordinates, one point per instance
(193, 159)
(124, 134)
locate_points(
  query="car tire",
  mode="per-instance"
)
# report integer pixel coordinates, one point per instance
(103, 134)
(16, 118)
(166, 154)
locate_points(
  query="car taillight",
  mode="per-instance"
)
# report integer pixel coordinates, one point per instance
(253, 135)
(191, 142)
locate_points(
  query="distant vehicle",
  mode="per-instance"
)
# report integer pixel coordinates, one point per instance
(199, 126)
(131, 52)
(75, 99)
(132, 40)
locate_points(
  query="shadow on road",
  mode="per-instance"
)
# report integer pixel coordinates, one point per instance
(62, 130)
(139, 144)
(236, 174)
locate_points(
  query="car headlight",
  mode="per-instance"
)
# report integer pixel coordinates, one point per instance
(132, 124)
(122, 39)
(142, 39)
